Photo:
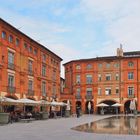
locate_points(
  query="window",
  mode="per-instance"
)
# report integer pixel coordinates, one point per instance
(108, 65)
(78, 79)
(88, 79)
(78, 67)
(54, 75)
(43, 70)
(99, 77)
(10, 60)
(30, 49)
(10, 80)
(117, 77)
(35, 52)
(44, 57)
(117, 91)
(43, 88)
(108, 91)
(54, 90)
(130, 75)
(130, 64)
(89, 91)
(17, 42)
(10, 57)
(30, 85)
(99, 65)
(3, 35)
(78, 91)
(10, 38)
(130, 91)
(25, 46)
(116, 65)
(99, 91)
(30, 65)
(89, 66)
(108, 77)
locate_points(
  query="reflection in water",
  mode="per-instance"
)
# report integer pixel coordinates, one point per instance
(114, 125)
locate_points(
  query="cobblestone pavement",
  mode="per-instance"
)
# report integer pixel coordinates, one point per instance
(57, 129)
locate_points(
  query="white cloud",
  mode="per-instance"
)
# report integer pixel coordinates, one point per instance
(121, 20)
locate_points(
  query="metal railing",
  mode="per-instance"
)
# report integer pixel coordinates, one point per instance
(78, 96)
(89, 97)
(11, 89)
(30, 92)
(131, 96)
(11, 66)
(30, 72)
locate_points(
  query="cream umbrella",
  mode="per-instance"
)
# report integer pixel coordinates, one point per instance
(132, 105)
(117, 105)
(89, 107)
(68, 105)
(102, 105)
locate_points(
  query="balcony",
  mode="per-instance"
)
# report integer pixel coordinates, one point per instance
(30, 72)
(78, 97)
(89, 97)
(30, 92)
(11, 89)
(131, 96)
(11, 66)
(54, 96)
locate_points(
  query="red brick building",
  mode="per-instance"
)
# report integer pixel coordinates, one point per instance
(110, 80)
(27, 68)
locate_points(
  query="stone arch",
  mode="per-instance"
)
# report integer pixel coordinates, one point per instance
(127, 105)
(109, 109)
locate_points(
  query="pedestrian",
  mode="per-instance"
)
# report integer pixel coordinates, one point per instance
(78, 111)
(11, 117)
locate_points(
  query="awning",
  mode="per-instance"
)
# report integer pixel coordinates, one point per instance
(54, 103)
(8, 100)
(28, 101)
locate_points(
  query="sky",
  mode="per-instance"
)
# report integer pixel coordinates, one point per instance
(77, 29)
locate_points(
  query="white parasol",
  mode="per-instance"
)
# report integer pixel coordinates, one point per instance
(89, 106)
(68, 105)
(132, 105)
(102, 105)
(117, 105)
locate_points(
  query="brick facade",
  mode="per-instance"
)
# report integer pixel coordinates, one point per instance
(110, 80)
(27, 68)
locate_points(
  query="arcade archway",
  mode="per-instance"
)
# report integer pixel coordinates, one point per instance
(108, 109)
(79, 105)
(127, 106)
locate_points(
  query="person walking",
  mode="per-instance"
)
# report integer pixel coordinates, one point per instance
(78, 111)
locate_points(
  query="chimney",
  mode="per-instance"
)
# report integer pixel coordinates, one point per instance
(120, 51)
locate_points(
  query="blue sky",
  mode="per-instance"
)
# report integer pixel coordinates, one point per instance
(76, 29)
